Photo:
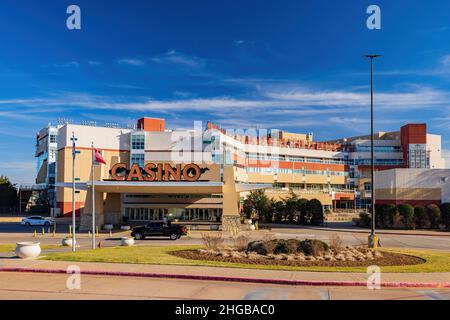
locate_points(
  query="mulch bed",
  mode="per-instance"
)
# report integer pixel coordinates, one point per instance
(388, 259)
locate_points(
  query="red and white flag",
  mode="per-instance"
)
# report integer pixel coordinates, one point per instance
(98, 157)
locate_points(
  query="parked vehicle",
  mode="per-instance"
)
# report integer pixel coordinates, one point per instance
(159, 229)
(37, 221)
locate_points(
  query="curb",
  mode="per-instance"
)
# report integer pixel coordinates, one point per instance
(234, 279)
(383, 232)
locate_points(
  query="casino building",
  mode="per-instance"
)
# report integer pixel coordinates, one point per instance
(202, 175)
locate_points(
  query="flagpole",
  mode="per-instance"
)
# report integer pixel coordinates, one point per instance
(93, 198)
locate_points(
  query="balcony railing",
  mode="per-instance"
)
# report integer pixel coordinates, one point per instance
(310, 191)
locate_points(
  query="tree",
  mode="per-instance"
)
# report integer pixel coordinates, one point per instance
(258, 202)
(314, 212)
(276, 209)
(406, 212)
(8, 193)
(291, 207)
(445, 215)
(421, 217)
(389, 212)
(434, 215)
(302, 205)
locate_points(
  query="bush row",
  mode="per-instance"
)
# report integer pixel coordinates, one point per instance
(409, 217)
(276, 246)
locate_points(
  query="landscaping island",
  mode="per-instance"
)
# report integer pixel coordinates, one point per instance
(271, 254)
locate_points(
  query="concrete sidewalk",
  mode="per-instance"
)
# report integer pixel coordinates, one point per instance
(253, 275)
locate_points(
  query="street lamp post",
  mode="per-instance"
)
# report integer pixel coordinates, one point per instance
(373, 238)
(74, 154)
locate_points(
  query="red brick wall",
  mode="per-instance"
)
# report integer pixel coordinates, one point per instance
(415, 133)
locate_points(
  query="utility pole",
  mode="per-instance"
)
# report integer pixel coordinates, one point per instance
(373, 238)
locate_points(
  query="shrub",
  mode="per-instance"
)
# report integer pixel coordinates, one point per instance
(434, 215)
(241, 241)
(445, 215)
(212, 241)
(316, 211)
(264, 247)
(421, 217)
(379, 209)
(313, 247)
(336, 243)
(364, 219)
(389, 212)
(286, 246)
(257, 246)
(406, 212)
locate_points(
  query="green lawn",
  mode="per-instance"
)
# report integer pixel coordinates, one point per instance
(12, 247)
(435, 261)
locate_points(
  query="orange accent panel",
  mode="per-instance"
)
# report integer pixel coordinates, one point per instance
(151, 124)
(344, 196)
(65, 208)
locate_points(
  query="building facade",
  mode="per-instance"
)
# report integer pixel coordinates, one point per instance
(150, 170)
(46, 166)
(413, 186)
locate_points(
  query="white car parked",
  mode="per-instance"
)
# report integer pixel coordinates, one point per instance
(37, 221)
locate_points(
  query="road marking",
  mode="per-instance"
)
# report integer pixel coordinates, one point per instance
(433, 295)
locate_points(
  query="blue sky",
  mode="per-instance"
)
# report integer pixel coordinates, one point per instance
(294, 65)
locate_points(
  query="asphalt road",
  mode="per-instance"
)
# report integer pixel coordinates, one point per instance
(40, 286)
(14, 232)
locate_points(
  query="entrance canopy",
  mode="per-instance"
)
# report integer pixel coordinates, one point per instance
(156, 187)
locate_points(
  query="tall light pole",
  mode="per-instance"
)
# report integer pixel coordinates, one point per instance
(74, 154)
(373, 239)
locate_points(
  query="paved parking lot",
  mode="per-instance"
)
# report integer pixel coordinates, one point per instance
(14, 232)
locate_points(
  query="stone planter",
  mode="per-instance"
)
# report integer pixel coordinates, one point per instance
(67, 242)
(125, 228)
(127, 242)
(108, 227)
(28, 250)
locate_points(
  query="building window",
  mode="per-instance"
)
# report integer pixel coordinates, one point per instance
(138, 158)
(138, 142)
(53, 138)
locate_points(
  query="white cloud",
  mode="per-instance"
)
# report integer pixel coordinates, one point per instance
(174, 57)
(94, 62)
(445, 60)
(297, 99)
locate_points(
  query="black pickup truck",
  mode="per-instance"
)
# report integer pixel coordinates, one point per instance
(159, 229)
